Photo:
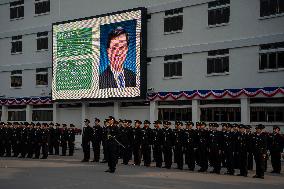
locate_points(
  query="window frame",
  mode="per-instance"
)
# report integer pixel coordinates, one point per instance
(16, 75)
(277, 14)
(45, 73)
(41, 36)
(17, 7)
(222, 58)
(216, 24)
(38, 2)
(266, 52)
(16, 41)
(172, 16)
(175, 60)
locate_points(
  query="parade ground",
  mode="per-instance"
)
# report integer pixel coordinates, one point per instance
(58, 172)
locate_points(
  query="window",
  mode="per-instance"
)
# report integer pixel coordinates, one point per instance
(16, 78)
(221, 114)
(17, 115)
(42, 6)
(42, 76)
(17, 9)
(17, 45)
(173, 20)
(218, 12)
(267, 114)
(271, 56)
(175, 114)
(271, 7)
(218, 61)
(42, 41)
(173, 65)
(42, 115)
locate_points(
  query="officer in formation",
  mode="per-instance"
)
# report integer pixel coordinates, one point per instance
(233, 146)
(29, 140)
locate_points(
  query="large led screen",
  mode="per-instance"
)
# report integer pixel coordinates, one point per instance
(100, 57)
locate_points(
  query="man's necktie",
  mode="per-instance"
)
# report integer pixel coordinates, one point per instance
(120, 80)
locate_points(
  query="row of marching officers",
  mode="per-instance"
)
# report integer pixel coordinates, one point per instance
(29, 140)
(233, 147)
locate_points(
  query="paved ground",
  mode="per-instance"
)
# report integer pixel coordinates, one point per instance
(68, 172)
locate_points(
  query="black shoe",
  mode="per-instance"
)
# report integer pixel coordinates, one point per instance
(85, 160)
(240, 175)
(43, 158)
(107, 171)
(103, 161)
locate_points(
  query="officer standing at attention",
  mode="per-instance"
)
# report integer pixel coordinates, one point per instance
(71, 139)
(64, 139)
(96, 142)
(86, 139)
(146, 143)
(260, 151)
(137, 139)
(157, 143)
(276, 144)
(189, 145)
(112, 145)
(168, 144)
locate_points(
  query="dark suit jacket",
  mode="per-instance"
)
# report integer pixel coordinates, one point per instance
(106, 79)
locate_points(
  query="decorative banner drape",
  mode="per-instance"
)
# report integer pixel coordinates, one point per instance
(218, 94)
(203, 94)
(26, 100)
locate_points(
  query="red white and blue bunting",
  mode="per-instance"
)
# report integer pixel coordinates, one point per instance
(201, 94)
(26, 100)
(218, 94)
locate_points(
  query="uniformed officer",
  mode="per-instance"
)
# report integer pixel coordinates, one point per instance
(86, 139)
(137, 141)
(71, 139)
(64, 139)
(96, 141)
(30, 139)
(168, 142)
(250, 147)
(260, 150)
(276, 145)
(178, 144)
(24, 140)
(228, 148)
(215, 145)
(127, 140)
(51, 138)
(44, 140)
(158, 143)
(104, 138)
(189, 145)
(202, 143)
(112, 145)
(242, 150)
(15, 139)
(57, 138)
(37, 140)
(2, 139)
(146, 143)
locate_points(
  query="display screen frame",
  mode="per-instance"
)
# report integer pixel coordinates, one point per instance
(143, 57)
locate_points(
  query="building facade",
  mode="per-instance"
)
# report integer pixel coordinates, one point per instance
(208, 60)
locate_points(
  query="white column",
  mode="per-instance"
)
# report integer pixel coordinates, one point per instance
(4, 117)
(83, 114)
(116, 110)
(29, 113)
(153, 111)
(245, 111)
(195, 111)
(54, 112)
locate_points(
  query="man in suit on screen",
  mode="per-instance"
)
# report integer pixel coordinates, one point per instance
(116, 75)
